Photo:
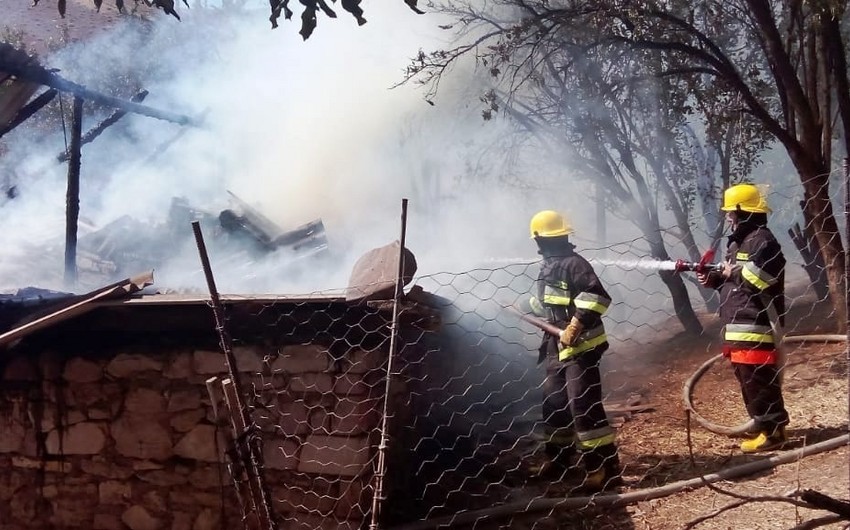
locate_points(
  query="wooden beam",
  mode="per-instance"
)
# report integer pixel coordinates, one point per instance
(29, 109)
(83, 305)
(98, 129)
(19, 65)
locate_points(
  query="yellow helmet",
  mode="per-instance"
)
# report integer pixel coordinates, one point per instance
(747, 197)
(549, 223)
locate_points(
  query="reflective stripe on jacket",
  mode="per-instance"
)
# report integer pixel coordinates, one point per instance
(758, 277)
(750, 335)
(569, 287)
(750, 344)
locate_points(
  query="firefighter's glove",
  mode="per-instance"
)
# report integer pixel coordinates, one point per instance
(710, 279)
(728, 270)
(571, 332)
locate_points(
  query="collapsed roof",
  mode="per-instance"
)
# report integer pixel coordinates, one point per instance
(21, 76)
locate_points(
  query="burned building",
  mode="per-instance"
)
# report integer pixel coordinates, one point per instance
(115, 415)
(109, 420)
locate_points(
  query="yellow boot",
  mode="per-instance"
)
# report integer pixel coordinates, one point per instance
(607, 477)
(765, 441)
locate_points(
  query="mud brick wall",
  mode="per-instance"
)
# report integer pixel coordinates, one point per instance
(129, 439)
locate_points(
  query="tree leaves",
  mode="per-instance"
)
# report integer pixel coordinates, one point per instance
(309, 19)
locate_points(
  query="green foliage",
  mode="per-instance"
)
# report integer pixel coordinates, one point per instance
(309, 13)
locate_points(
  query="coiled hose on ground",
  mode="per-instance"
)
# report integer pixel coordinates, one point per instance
(737, 430)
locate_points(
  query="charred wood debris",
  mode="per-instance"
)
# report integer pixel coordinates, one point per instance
(126, 244)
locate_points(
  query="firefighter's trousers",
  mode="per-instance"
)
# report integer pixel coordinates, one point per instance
(762, 392)
(573, 404)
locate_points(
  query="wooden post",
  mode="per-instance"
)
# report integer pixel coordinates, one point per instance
(90, 136)
(247, 454)
(72, 198)
(378, 497)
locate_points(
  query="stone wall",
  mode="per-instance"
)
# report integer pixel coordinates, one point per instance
(130, 439)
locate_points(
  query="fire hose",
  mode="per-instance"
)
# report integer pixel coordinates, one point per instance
(704, 266)
(541, 324)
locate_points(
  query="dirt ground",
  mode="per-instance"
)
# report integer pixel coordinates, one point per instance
(654, 445)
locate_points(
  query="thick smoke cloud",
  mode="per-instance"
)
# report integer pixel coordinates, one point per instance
(299, 130)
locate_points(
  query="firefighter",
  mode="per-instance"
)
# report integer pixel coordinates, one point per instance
(753, 280)
(570, 295)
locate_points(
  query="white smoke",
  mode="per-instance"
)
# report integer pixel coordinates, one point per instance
(300, 130)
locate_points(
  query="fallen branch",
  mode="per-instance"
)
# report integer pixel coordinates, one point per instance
(742, 501)
(817, 523)
(825, 502)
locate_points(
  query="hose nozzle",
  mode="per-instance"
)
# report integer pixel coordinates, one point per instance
(696, 266)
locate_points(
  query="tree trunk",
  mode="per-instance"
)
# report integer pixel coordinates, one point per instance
(678, 291)
(819, 209)
(808, 247)
(681, 302)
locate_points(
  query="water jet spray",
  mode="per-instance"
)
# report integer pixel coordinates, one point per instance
(704, 265)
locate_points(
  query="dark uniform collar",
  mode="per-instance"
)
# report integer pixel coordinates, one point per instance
(561, 251)
(745, 228)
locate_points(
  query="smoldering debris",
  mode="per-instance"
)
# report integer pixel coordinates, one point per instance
(240, 232)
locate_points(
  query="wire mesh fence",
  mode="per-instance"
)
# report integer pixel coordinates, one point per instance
(356, 409)
(465, 436)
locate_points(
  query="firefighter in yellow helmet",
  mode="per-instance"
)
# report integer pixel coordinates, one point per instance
(753, 280)
(571, 296)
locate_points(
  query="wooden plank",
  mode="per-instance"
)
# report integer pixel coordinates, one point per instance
(247, 482)
(124, 287)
